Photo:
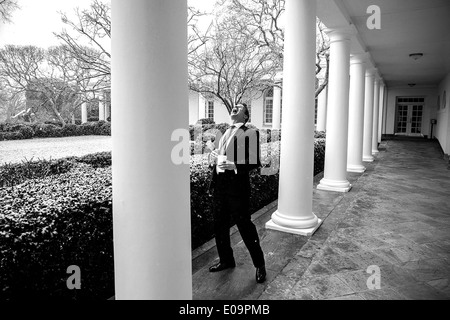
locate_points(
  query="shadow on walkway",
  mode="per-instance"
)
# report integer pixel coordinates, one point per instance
(395, 219)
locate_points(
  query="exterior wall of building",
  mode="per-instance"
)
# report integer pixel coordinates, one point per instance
(197, 110)
(194, 107)
(257, 117)
(221, 114)
(430, 108)
(443, 115)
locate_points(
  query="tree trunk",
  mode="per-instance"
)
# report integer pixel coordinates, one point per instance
(57, 114)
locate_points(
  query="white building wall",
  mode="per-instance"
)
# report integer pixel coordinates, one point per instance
(258, 112)
(221, 114)
(430, 95)
(201, 107)
(193, 107)
(443, 116)
(197, 110)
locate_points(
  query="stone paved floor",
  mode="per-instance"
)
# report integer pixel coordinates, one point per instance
(396, 217)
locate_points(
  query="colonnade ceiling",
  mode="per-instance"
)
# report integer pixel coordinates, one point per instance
(405, 27)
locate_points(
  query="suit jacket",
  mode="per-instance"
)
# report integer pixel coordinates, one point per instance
(244, 151)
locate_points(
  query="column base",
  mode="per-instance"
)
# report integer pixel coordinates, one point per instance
(368, 158)
(375, 152)
(356, 168)
(333, 185)
(285, 224)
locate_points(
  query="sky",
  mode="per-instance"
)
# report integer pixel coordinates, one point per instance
(35, 22)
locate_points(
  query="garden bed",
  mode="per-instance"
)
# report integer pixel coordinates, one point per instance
(58, 213)
(25, 130)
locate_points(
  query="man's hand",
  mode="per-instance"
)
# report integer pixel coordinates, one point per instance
(227, 165)
(213, 156)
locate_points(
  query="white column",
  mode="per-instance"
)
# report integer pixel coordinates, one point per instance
(294, 213)
(356, 115)
(376, 108)
(368, 116)
(151, 199)
(84, 113)
(101, 108)
(107, 110)
(322, 110)
(201, 107)
(335, 171)
(381, 111)
(276, 121)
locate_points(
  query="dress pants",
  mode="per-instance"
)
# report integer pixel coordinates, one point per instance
(236, 206)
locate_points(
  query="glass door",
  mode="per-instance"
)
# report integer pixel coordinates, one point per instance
(409, 116)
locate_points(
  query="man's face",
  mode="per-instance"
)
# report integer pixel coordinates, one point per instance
(238, 114)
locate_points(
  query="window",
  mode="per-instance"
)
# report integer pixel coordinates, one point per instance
(209, 112)
(268, 106)
(315, 112)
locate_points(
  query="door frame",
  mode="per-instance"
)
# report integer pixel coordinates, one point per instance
(415, 100)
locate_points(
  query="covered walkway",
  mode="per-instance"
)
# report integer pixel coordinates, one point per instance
(396, 217)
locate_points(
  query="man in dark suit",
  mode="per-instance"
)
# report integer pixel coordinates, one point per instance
(230, 186)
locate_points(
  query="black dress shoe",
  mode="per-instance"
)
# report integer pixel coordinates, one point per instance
(221, 266)
(261, 274)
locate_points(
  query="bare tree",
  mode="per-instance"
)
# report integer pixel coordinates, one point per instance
(263, 20)
(10, 103)
(322, 57)
(196, 37)
(6, 9)
(52, 77)
(88, 42)
(93, 26)
(231, 66)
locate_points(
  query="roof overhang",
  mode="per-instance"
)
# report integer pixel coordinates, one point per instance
(406, 26)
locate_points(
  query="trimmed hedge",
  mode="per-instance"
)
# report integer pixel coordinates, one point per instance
(14, 174)
(49, 224)
(61, 215)
(19, 131)
(264, 187)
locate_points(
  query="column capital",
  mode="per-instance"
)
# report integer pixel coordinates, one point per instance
(278, 79)
(359, 58)
(378, 79)
(371, 72)
(341, 33)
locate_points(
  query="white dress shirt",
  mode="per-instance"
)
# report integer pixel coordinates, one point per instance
(233, 132)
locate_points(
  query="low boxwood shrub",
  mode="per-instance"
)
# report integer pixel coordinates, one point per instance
(47, 225)
(264, 186)
(43, 130)
(319, 155)
(319, 134)
(205, 121)
(27, 132)
(69, 130)
(96, 160)
(15, 131)
(49, 129)
(11, 136)
(13, 174)
(95, 128)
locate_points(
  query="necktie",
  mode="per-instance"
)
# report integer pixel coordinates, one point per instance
(224, 140)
